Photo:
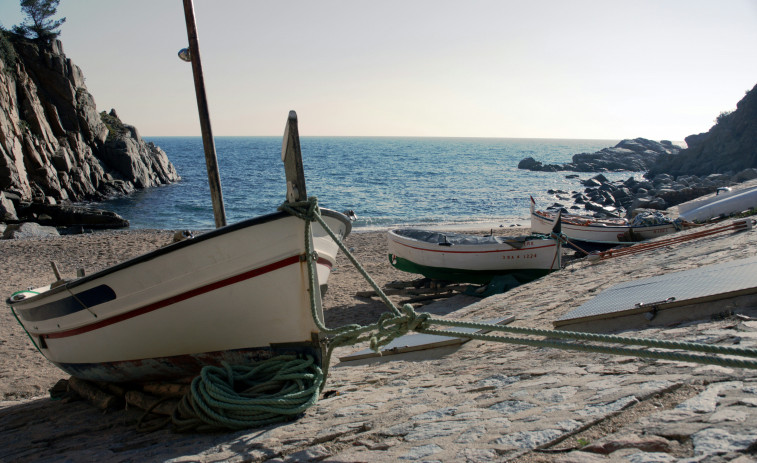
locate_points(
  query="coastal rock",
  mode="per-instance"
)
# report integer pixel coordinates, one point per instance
(54, 145)
(746, 174)
(728, 147)
(532, 164)
(28, 230)
(138, 162)
(7, 209)
(603, 198)
(629, 155)
(67, 215)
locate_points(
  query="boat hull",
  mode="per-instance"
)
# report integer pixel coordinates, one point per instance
(592, 235)
(525, 260)
(724, 204)
(238, 293)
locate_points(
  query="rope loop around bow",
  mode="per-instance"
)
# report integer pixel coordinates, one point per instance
(307, 210)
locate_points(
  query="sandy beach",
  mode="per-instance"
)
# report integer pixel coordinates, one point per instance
(421, 405)
(26, 263)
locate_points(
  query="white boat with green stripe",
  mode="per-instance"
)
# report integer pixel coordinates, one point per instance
(465, 258)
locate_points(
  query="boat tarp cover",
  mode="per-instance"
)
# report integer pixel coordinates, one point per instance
(649, 218)
(443, 238)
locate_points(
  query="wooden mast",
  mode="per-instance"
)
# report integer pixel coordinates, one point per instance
(214, 179)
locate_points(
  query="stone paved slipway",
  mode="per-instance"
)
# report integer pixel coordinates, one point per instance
(478, 402)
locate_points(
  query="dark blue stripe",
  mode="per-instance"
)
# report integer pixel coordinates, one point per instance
(68, 305)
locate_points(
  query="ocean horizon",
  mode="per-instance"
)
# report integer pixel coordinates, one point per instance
(387, 181)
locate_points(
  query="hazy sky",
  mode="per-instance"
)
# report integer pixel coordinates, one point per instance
(659, 69)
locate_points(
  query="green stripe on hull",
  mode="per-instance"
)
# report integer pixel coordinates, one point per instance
(480, 277)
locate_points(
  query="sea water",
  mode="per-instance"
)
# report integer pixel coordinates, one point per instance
(386, 181)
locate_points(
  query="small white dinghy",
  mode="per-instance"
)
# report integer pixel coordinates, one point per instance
(237, 294)
(473, 258)
(729, 202)
(593, 234)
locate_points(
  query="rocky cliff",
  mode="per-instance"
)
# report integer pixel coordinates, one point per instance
(54, 145)
(729, 147)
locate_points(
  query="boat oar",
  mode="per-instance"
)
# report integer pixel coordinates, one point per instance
(735, 226)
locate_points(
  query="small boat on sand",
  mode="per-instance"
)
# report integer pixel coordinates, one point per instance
(722, 204)
(593, 234)
(237, 294)
(475, 259)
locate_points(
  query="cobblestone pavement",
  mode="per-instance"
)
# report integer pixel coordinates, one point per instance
(481, 401)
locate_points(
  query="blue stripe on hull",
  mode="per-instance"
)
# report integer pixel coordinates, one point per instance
(68, 305)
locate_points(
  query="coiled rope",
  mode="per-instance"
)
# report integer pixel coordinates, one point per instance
(248, 396)
(279, 389)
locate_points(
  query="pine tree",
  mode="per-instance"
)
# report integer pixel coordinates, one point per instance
(38, 20)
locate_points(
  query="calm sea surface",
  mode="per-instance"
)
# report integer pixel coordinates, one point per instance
(449, 182)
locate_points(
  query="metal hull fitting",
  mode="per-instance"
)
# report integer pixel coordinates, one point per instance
(472, 259)
(239, 291)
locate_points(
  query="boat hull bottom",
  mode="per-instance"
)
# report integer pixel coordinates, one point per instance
(481, 277)
(181, 368)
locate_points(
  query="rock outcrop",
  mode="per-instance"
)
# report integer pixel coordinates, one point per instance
(54, 145)
(28, 230)
(729, 147)
(603, 198)
(635, 155)
(724, 156)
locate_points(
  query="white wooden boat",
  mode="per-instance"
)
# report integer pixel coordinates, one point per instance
(237, 294)
(472, 258)
(592, 234)
(722, 204)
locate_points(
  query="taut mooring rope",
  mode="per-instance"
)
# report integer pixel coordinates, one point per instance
(279, 389)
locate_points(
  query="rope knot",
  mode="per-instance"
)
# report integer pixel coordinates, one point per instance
(416, 321)
(391, 326)
(306, 210)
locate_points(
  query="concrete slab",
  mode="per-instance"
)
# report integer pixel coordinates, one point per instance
(717, 289)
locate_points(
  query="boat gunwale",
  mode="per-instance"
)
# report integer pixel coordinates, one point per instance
(171, 248)
(482, 251)
(599, 224)
(585, 221)
(472, 246)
